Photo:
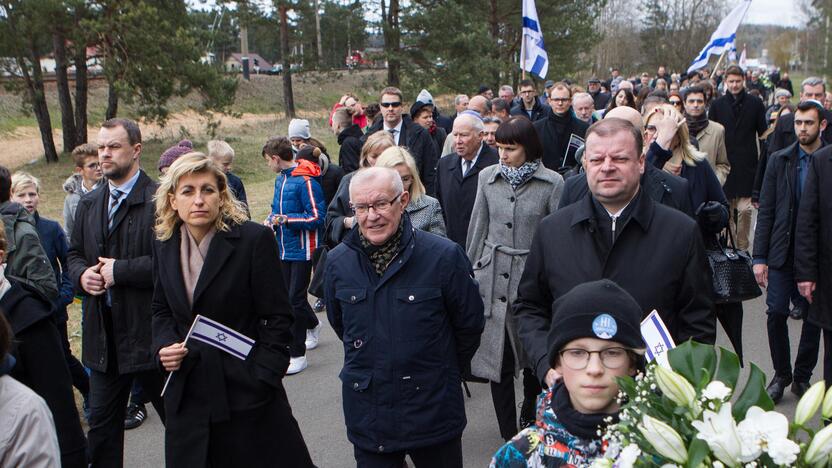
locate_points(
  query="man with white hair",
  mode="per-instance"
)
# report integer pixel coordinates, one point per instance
(584, 106)
(409, 312)
(456, 175)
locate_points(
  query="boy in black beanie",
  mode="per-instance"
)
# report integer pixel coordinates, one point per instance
(595, 337)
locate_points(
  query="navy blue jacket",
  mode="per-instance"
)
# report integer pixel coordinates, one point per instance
(408, 336)
(237, 188)
(702, 181)
(53, 241)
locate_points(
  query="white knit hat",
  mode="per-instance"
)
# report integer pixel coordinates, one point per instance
(299, 128)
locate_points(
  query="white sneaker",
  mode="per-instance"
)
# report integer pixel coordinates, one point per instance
(296, 364)
(313, 335)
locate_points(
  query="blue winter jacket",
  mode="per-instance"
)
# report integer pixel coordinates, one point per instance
(53, 241)
(298, 196)
(408, 335)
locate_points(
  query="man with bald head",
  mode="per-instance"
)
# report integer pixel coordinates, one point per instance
(662, 187)
(406, 306)
(611, 233)
(456, 174)
(480, 104)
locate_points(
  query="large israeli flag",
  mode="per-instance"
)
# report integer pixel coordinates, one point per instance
(534, 60)
(723, 38)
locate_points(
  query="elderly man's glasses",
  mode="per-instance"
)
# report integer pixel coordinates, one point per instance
(611, 358)
(381, 206)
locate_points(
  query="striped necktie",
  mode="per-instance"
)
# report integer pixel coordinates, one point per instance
(115, 196)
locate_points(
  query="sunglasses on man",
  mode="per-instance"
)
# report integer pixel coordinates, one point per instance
(390, 104)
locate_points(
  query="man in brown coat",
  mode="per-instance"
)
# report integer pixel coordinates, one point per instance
(710, 134)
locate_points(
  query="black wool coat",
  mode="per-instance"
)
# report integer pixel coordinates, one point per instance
(241, 287)
(419, 144)
(813, 249)
(774, 235)
(539, 110)
(350, 152)
(557, 156)
(784, 136)
(741, 133)
(41, 365)
(456, 194)
(658, 257)
(130, 242)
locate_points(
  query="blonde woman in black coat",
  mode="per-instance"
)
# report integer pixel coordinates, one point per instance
(209, 260)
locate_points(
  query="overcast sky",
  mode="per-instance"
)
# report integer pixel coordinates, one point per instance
(783, 12)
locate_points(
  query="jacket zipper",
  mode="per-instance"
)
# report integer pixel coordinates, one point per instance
(614, 219)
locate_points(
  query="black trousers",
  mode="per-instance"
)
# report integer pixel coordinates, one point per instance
(827, 357)
(41, 366)
(443, 455)
(781, 290)
(730, 316)
(296, 275)
(80, 379)
(109, 392)
(502, 394)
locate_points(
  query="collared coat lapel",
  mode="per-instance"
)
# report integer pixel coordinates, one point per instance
(218, 254)
(136, 197)
(171, 271)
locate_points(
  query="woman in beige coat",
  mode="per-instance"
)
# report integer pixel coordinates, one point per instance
(512, 197)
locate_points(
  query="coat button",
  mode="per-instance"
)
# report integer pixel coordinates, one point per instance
(355, 385)
(511, 199)
(503, 299)
(505, 275)
(357, 344)
(380, 448)
(352, 299)
(508, 225)
(410, 298)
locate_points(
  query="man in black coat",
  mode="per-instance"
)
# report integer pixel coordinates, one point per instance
(784, 135)
(616, 232)
(529, 106)
(560, 131)
(814, 229)
(600, 100)
(774, 252)
(110, 262)
(406, 133)
(744, 119)
(457, 175)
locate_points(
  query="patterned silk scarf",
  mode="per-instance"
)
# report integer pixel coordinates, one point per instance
(382, 255)
(517, 176)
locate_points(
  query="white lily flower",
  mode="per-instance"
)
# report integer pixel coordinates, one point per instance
(809, 404)
(821, 446)
(667, 442)
(602, 462)
(826, 408)
(766, 431)
(719, 431)
(716, 390)
(675, 387)
(628, 456)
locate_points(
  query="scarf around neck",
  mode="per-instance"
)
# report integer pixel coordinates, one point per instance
(697, 124)
(517, 176)
(585, 426)
(192, 258)
(382, 255)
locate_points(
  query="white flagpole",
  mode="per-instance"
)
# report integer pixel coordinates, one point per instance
(170, 374)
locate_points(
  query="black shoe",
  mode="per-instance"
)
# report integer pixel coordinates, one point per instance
(776, 388)
(797, 313)
(136, 414)
(319, 306)
(799, 388)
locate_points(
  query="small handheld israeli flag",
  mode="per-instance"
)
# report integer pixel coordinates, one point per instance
(219, 336)
(657, 339)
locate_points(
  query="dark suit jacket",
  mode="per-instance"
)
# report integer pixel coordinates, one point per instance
(130, 242)
(419, 144)
(456, 194)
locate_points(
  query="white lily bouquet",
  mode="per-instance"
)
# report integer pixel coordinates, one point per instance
(685, 417)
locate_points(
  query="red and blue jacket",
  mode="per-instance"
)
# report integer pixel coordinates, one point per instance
(298, 196)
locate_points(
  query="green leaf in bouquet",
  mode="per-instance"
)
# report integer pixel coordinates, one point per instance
(627, 384)
(697, 452)
(754, 394)
(691, 358)
(729, 368)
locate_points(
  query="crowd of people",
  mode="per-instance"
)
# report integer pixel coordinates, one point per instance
(518, 237)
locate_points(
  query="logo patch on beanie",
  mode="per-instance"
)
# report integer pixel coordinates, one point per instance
(604, 326)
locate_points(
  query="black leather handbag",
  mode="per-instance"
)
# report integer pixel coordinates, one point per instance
(731, 273)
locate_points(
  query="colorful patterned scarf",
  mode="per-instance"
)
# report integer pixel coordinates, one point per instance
(517, 176)
(382, 255)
